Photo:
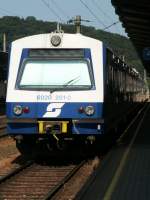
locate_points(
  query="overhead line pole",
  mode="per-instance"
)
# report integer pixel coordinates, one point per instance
(4, 42)
(77, 21)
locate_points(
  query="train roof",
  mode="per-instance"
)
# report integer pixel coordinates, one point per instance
(41, 37)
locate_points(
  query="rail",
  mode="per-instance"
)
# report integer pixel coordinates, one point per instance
(3, 126)
(36, 181)
(14, 172)
(52, 192)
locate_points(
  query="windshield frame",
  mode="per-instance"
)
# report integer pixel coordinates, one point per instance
(65, 87)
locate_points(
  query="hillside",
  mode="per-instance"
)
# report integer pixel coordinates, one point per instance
(16, 27)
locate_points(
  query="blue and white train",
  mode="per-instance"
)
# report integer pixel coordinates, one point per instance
(67, 87)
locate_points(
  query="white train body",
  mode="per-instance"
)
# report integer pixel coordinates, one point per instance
(79, 88)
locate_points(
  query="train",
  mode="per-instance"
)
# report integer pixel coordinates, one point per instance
(66, 89)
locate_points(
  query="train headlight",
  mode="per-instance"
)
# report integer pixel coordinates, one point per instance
(55, 40)
(17, 110)
(89, 110)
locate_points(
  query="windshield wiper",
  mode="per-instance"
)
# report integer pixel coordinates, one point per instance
(72, 81)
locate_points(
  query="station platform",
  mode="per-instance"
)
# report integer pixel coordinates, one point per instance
(125, 172)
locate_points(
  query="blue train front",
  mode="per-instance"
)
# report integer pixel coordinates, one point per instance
(55, 88)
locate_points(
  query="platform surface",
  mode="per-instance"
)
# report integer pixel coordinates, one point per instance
(134, 182)
(133, 163)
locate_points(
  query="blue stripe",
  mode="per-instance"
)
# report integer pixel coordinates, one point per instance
(69, 110)
(25, 54)
(20, 128)
(87, 129)
(78, 129)
(87, 54)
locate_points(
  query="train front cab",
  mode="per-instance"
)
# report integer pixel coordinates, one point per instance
(50, 109)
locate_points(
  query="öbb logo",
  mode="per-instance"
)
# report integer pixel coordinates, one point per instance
(53, 110)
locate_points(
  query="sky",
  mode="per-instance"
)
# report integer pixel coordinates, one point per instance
(100, 13)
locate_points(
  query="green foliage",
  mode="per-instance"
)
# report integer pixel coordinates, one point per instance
(16, 27)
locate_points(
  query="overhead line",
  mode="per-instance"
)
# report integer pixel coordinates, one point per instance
(92, 13)
(111, 25)
(8, 12)
(2, 12)
(53, 11)
(58, 7)
(104, 13)
(107, 15)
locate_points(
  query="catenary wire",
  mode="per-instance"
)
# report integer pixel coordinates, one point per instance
(106, 15)
(8, 12)
(2, 12)
(107, 27)
(92, 13)
(60, 9)
(53, 11)
(102, 11)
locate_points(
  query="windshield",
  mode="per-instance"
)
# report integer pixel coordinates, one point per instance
(55, 74)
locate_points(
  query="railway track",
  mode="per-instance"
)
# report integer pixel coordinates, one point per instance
(3, 126)
(36, 181)
(2, 117)
(3, 132)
